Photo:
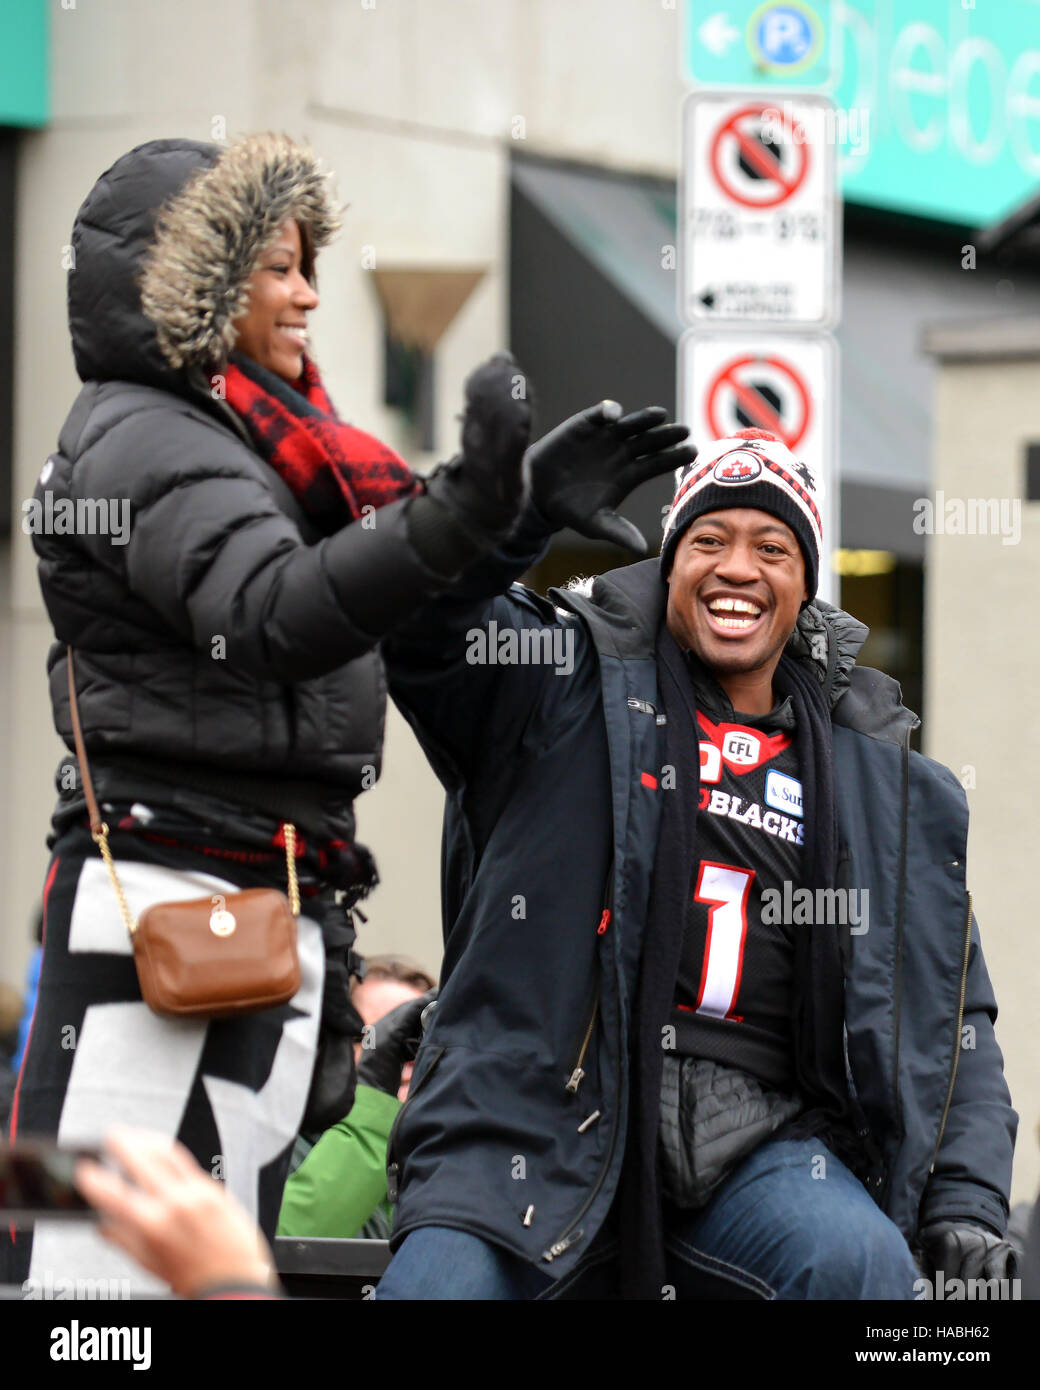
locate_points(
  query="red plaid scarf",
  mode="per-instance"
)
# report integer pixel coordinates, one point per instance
(333, 469)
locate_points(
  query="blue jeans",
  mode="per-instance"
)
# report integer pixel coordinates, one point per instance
(790, 1222)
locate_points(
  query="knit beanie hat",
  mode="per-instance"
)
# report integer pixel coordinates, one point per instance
(751, 468)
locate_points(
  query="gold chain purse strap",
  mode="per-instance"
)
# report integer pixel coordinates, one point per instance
(99, 830)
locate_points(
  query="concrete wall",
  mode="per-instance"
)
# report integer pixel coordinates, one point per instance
(983, 676)
(415, 105)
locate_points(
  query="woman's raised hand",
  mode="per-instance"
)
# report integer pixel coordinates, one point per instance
(483, 485)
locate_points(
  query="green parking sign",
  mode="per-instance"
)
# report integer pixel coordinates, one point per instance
(781, 43)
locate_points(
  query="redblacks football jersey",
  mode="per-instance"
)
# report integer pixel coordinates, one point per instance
(733, 991)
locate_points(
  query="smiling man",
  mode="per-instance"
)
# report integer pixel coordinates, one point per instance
(639, 1080)
(740, 573)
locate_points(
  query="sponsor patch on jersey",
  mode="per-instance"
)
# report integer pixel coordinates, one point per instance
(741, 747)
(784, 793)
(737, 467)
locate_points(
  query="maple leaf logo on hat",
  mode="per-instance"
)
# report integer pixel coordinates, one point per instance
(739, 469)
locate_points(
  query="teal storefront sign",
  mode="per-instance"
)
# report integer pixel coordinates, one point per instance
(24, 97)
(938, 101)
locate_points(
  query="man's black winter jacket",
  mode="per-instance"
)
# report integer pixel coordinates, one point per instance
(553, 806)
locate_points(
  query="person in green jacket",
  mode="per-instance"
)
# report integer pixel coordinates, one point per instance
(338, 1186)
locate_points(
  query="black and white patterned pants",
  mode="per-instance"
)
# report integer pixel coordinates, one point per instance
(232, 1091)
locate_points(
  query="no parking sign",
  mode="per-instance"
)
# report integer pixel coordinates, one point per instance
(753, 168)
(760, 226)
(783, 383)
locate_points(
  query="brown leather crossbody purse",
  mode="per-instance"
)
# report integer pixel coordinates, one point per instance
(215, 957)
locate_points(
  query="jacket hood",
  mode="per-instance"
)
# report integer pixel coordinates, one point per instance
(164, 245)
(625, 606)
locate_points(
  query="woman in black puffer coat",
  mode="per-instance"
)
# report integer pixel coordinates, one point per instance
(223, 555)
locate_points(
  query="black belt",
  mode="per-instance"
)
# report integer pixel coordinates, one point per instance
(302, 802)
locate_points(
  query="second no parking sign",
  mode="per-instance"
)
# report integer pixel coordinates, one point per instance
(780, 382)
(760, 211)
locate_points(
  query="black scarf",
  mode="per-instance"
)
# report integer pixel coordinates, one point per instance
(818, 1000)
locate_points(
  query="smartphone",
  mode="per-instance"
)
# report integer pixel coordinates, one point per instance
(36, 1182)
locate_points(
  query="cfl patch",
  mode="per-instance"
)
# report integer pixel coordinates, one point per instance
(741, 748)
(784, 793)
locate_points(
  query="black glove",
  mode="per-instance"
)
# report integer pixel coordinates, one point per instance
(580, 471)
(483, 486)
(334, 1079)
(966, 1251)
(390, 1042)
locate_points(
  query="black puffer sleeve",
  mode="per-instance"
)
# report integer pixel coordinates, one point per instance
(210, 550)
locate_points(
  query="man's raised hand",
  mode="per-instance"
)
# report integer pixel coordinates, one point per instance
(582, 470)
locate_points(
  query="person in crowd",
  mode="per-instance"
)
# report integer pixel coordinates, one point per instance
(12, 1007)
(337, 1181)
(388, 981)
(339, 1187)
(238, 554)
(378, 984)
(32, 982)
(714, 1019)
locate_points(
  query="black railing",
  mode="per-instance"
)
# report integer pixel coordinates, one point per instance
(326, 1268)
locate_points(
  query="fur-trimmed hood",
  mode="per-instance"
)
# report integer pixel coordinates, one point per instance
(164, 245)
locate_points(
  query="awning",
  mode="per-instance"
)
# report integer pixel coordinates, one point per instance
(621, 224)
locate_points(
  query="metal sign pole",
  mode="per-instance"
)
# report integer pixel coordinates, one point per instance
(759, 284)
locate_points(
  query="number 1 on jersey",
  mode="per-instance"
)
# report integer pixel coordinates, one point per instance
(725, 890)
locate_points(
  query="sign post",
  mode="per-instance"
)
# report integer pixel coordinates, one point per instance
(760, 236)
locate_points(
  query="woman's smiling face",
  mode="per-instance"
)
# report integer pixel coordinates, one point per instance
(273, 330)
